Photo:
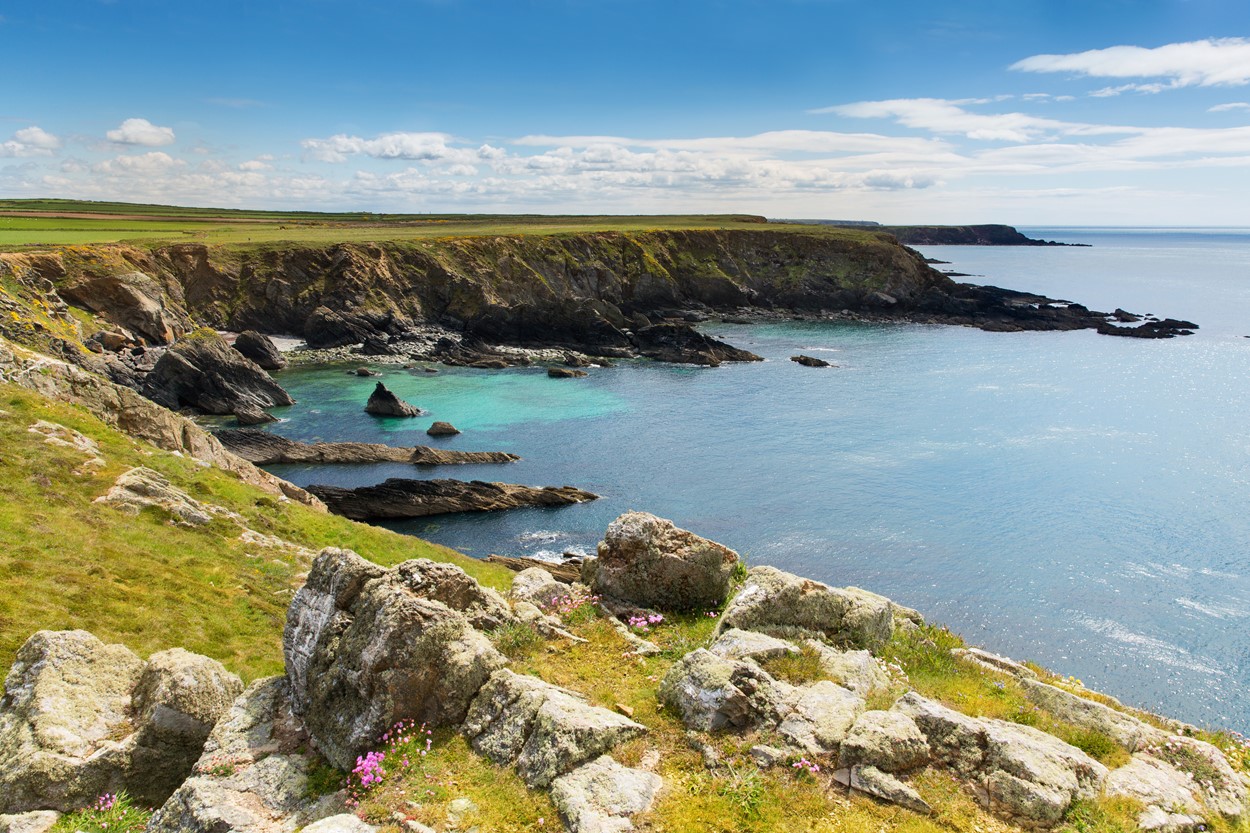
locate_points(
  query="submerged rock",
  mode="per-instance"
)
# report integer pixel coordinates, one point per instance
(810, 361)
(648, 561)
(565, 373)
(382, 402)
(401, 498)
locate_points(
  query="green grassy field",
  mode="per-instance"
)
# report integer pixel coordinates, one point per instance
(26, 223)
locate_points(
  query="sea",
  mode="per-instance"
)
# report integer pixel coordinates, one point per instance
(1069, 498)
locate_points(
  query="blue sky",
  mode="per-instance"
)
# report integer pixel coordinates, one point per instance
(1094, 112)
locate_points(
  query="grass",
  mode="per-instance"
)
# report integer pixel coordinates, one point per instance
(26, 223)
(70, 563)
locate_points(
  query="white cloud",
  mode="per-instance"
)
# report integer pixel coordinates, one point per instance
(30, 141)
(141, 132)
(408, 146)
(255, 165)
(1206, 63)
(1229, 107)
(153, 163)
(944, 116)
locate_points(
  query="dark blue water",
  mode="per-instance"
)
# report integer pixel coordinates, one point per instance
(1075, 499)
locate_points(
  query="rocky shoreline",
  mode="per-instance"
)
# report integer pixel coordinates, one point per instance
(263, 448)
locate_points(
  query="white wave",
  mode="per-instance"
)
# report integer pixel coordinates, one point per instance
(822, 349)
(540, 536)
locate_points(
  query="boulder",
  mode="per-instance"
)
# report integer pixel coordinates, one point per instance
(382, 402)
(366, 647)
(778, 602)
(342, 823)
(364, 372)
(442, 429)
(252, 776)
(649, 562)
(537, 586)
(544, 730)
(565, 373)
(859, 671)
(80, 718)
(823, 714)
(402, 498)
(601, 796)
(810, 361)
(1166, 793)
(142, 488)
(708, 693)
(202, 372)
(751, 645)
(260, 349)
(887, 740)
(871, 781)
(248, 414)
(36, 821)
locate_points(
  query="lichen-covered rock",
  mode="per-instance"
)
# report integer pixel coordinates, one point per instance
(175, 705)
(709, 692)
(365, 648)
(1124, 729)
(823, 713)
(142, 488)
(872, 781)
(1020, 773)
(80, 718)
(995, 662)
(887, 740)
(452, 586)
(36, 821)
(537, 586)
(1166, 793)
(260, 349)
(752, 645)
(859, 671)
(601, 796)
(341, 823)
(649, 562)
(252, 776)
(785, 604)
(546, 731)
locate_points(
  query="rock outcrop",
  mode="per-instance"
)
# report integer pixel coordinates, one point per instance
(442, 429)
(265, 448)
(683, 344)
(400, 498)
(366, 647)
(260, 349)
(202, 372)
(810, 361)
(775, 601)
(132, 300)
(382, 402)
(80, 718)
(648, 561)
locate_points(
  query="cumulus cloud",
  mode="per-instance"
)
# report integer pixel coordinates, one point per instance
(406, 146)
(30, 141)
(147, 164)
(1206, 63)
(141, 132)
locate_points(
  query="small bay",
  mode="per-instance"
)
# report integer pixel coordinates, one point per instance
(1075, 499)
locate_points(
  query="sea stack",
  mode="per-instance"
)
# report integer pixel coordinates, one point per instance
(442, 429)
(385, 403)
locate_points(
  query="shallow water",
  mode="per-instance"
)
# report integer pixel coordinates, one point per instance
(1070, 498)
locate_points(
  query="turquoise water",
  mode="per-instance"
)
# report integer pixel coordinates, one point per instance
(1070, 498)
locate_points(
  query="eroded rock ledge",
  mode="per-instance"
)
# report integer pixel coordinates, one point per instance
(401, 498)
(263, 448)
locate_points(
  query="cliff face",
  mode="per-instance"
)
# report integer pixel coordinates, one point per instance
(568, 288)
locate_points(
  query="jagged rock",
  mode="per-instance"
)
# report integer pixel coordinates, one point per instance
(325, 327)
(252, 776)
(822, 715)
(452, 586)
(752, 645)
(400, 498)
(202, 372)
(872, 781)
(265, 448)
(776, 601)
(260, 349)
(141, 488)
(601, 796)
(711, 693)
(80, 718)
(175, 705)
(887, 740)
(1022, 774)
(1124, 729)
(382, 402)
(810, 361)
(1166, 793)
(683, 344)
(36, 821)
(364, 648)
(342, 823)
(537, 586)
(648, 561)
(859, 671)
(248, 414)
(544, 730)
(442, 429)
(565, 373)
(134, 301)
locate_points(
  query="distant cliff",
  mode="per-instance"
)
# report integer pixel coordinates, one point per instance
(987, 235)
